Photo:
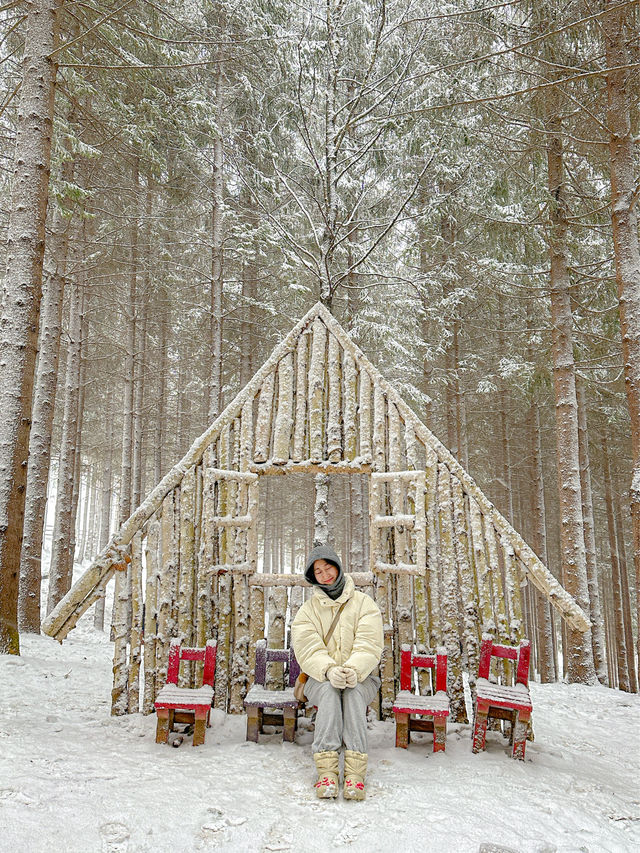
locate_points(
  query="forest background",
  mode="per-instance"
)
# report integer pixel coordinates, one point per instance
(457, 182)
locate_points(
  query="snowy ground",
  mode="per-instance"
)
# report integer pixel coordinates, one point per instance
(75, 779)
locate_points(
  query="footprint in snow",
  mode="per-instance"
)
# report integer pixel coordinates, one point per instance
(115, 838)
(10, 795)
(279, 838)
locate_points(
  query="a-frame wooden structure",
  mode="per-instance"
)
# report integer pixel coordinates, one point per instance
(444, 566)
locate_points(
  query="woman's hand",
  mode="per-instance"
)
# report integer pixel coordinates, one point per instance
(342, 676)
(336, 676)
(351, 676)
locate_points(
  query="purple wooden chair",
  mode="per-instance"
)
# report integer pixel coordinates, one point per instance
(272, 707)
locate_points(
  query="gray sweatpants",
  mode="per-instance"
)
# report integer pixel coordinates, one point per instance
(342, 714)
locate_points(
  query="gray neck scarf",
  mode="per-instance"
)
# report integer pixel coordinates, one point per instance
(335, 590)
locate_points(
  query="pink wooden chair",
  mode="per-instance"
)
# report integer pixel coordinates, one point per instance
(501, 701)
(433, 710)
(186, 702)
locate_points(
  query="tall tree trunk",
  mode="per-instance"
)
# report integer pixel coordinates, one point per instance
(249, 296)
(140, 365)
(619, 644)
(620, 26)
(217, 202)
(541, 605)
(62, 543)
(506, 487)
(578, 653)
(22, 294)
(41, 429)
(625, 595)
(597, 635)
(160, 402)
(126, 476)
(105, 505)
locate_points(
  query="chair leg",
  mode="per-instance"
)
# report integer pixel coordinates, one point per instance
(479, 729)
(439, 734)
(402, 730)
(199, 728)
(290, 718)
(521, 729)
(253, 726)
(162, 726)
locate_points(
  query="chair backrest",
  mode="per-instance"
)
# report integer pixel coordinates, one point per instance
(177, 653)
(437, 662)
(264, 655)
(520, 654)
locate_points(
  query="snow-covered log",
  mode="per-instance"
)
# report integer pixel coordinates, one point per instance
(135, 639)
(187, 583)
(284, 413)
(334, 415)
(151, 615)
(300, 416)
(451, 631)
(316, 391)
(470, 633)
(263, 423)
(350, 407)
(364, 413)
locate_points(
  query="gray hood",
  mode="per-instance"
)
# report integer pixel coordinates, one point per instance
(321, 552)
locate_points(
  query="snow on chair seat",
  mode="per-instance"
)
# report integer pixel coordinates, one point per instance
(502, 701)
(261, 702)
(193, 701)
(433, 709)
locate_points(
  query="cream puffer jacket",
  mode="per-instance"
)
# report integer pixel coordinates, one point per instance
(357, 640)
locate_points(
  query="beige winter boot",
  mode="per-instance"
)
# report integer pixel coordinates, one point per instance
(327, 767)
(355, 769)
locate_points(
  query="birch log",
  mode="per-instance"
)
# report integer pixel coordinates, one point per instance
(316, 391)
(433, 563)
(187, 570)
(300, 417)
(350, 407)
(465, 579)
(151, 615)
(224, 597)
(335, 415)
(263, 423)
(404, 603)
(277, 617)
(450, 597)
(119, 697)
(284, 414)
(364, 412)
(135, 641)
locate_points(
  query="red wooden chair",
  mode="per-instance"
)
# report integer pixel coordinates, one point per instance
(435, 708)
(182, 704)
(501, 701)
(261, 703)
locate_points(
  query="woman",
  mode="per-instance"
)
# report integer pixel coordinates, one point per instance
(340, 667)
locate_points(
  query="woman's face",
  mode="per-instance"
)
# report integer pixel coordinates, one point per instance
(325, 572)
